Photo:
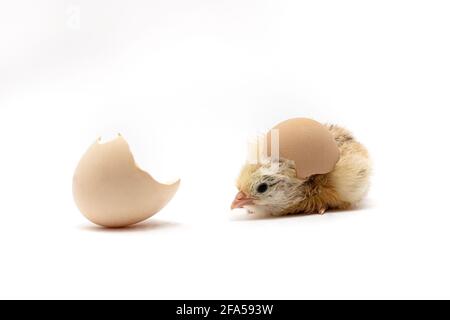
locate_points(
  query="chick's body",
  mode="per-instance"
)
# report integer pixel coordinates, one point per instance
(277, 190)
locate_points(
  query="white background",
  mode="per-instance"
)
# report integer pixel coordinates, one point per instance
(187, 83)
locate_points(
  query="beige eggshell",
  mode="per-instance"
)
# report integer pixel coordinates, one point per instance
(111, 191)
(309, 144)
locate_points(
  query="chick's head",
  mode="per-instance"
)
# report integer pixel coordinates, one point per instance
(271, 187)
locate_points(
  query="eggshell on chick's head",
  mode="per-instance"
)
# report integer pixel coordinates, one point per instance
(111, 191)
(309, 144)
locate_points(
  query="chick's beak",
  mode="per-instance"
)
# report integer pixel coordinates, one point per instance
(241, 200)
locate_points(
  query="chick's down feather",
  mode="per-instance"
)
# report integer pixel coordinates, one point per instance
(277, 189)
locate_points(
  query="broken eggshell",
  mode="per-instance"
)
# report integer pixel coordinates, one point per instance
(111, 191)
(309, 144)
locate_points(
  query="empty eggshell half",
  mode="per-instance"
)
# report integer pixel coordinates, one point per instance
(110, 189)
(309, 144)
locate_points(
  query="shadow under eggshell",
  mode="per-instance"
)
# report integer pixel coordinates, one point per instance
(111, 191)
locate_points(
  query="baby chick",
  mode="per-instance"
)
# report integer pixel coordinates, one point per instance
(277, 190)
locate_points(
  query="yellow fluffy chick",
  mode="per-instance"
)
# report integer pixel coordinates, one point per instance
(264, 188)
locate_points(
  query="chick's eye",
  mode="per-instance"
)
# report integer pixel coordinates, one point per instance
(262, 188)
